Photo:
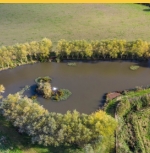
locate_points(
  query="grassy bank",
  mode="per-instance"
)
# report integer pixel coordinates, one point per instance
(132, 112)
(27, 22)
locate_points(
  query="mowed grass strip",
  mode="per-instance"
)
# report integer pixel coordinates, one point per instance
(142, 119)
(28, 22)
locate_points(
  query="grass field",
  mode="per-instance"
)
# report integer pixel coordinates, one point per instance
(28, 22)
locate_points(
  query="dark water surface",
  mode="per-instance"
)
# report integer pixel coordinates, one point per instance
(88, 82)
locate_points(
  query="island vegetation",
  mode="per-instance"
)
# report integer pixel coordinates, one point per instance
(134, 67)
(44, 88)
(71, 64)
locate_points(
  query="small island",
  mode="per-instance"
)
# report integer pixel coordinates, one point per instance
(45, 89)
(134, 67)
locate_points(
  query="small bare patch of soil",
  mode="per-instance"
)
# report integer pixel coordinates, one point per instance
(113, 95)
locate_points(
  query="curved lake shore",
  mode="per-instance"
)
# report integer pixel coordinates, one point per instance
(88, 82)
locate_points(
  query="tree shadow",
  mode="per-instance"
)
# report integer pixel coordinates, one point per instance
(145, 64)
(31, 91)
(146, 10)
(23, 142)
(102, 101)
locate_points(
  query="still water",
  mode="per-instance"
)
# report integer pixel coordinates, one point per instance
(88, 82)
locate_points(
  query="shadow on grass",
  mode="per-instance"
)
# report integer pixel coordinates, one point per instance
(22, 142)
(146, 10)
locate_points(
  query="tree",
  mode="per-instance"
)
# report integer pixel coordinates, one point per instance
(45, 47)
(2, 90)
(61, 48)
(88, 50)
(44, 89)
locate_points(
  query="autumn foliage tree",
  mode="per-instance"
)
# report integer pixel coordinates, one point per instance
(49, 128)
(111, 49)
(11, 56)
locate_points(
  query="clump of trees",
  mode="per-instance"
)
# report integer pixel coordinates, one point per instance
(50, 128)
(110, 49)
(44, 86)
(11, 56)
(44, 89)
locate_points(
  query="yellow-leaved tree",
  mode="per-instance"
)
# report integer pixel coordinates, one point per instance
(2, 90)
(48, 128)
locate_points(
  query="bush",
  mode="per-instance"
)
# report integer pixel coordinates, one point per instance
(43, 79)
(123, 108)
(44, 89)
(61, 94)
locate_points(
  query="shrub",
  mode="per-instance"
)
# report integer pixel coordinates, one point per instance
(43, 79)
(44, 89)
(123, 108)
(61, 94)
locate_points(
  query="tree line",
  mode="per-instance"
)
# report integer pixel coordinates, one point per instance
(111, 49)
(11, 56)
(50, 128)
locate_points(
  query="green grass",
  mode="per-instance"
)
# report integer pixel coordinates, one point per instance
(111, 104)
(133, 132)
(28, 22)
